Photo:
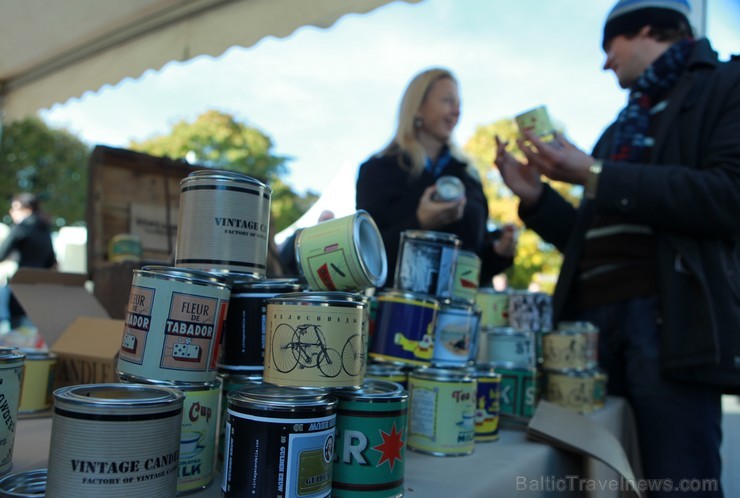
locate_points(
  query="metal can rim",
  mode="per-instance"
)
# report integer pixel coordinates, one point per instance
(441, 374)
(321, 298)
(189, 276)
(281, 398)
(372, 390)
(432, 235)
(159, 396)
(216, 174)
(11, 354)
(27, 484)
(128, 379)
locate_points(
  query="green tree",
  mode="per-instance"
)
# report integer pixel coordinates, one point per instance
(536, 261)
(49, 162)
(218, 140)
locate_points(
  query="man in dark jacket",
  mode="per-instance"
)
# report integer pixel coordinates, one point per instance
(652, 254)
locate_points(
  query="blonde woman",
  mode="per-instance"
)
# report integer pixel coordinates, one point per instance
(396, 185)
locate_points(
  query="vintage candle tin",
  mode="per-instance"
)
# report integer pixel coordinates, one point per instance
(223, 223)
(28, 484)
(199, 427)
(537, 121)
(315, 339)
(442, 411)
(173, 324)
(343, 254)
(519, 395)
(114, 440)
(448, 188)
(571, 346)
(577, 390)
(230, 383)
(243, 344)
(124, 247)
(11, 378)
(38, 380)
(455, 334)
(467, 276)
(494, 307)
(404, 328)
(511, 348)
(388, 372)
(279, 442)
(371, 437)
(426, 262)
(530, 311)
(488, 402)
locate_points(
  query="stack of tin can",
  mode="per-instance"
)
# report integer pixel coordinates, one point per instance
(570, 374)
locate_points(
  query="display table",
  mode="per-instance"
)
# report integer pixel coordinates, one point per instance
(511, 466)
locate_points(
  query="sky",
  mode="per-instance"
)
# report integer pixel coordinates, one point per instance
(328, 99)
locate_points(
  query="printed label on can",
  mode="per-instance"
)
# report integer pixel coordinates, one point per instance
(467, 276)
(426, 265)
(229, 384)
(404, 329)
(300, 451)
(509, 347)
(518, 391)
(494, 308)
(11, 376)
(198, 439)
(314, 346)
(455, 336)
(441, 416)
(530, 311)
(573, 390)
(488, 407)
(370, 452)
(565, 351)
(38, 383)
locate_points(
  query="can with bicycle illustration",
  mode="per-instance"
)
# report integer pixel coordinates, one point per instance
(223, 223)
(577, 390)
(279, 442)
(315, 339)
(173, 324)
(404, 328)
(426, 262)
(343, 254)
(371, 440)
(243, 344)
(571, 346)
(442, 411)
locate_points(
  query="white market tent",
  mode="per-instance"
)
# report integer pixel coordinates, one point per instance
(54, 50)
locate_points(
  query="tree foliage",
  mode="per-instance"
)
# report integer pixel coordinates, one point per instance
(536, 262)
(218, 140)
(51, 163)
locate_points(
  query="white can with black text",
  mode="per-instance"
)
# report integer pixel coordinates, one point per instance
(11, 378)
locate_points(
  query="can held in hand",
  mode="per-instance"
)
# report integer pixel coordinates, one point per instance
(114, 440)
(371, 440)
(448, 188)
(426, 262)
(343, 254)
(467, 276)
(243, 344)
(11, 377)
(173, 324)
(223, 223)
(198, 436)
(38, 381)
(442, 411)
(279, 442)
(315, 339)
(404, 328)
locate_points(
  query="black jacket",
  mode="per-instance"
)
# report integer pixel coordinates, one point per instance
(388, 194)
(31, 238)
(689, 193)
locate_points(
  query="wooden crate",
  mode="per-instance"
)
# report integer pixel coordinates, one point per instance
(130, 193)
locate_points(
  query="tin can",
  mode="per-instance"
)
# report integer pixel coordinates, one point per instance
(223, 223)
(11, 378)
(114, 440)
(537, 121)
(572, 346)
(511, 348)
(243, 345)
(279, 442)
(198, 435)
(426, 262)
(371, 439)
(467, 276)
(230, 383)
(173, 325)
(389, 373)
(124, 247)
(530, 311)
(38, 381)
(519, 395)
(448, 188)
(404, 328)
(343, 254)
(494, 307)
(29, 484)
(455, 334)
(573, 389)
(315, 339)
(488, 402)
(442, 411)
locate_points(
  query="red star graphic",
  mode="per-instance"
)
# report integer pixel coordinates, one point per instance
(390, 447)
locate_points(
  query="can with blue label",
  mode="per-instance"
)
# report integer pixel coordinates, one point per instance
(371, 441)
(488, 402)
(455, 334)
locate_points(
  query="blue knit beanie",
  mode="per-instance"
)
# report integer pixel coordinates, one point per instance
(630, 16)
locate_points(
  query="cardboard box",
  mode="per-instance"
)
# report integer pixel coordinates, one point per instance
(73, 323)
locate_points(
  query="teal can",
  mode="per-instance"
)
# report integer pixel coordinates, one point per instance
(369, 458)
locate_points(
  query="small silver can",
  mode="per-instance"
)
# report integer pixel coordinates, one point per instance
(448, 188)
(11, 378)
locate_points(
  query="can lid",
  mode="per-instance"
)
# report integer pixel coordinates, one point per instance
(118, 395)
(449, 188)
(494, 331)
(433, 236)
(127, 378)
(424, 299)
(275, 285)
(483, 370)
(38, 354)
(185, 275)
(577, 326)
(27, 484)
(223, 175)
(281, 398)
(372, 389)
(10, 354)
(329, 298)
(436, 373)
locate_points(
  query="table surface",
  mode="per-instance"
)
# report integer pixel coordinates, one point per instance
(499, 468)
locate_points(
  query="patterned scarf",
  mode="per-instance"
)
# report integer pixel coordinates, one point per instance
(652, 85)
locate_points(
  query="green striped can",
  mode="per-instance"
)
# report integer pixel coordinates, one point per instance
(371, 441)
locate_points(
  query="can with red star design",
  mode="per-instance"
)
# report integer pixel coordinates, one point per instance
(371, 441)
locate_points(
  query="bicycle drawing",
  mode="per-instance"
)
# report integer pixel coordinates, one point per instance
(306, 347)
